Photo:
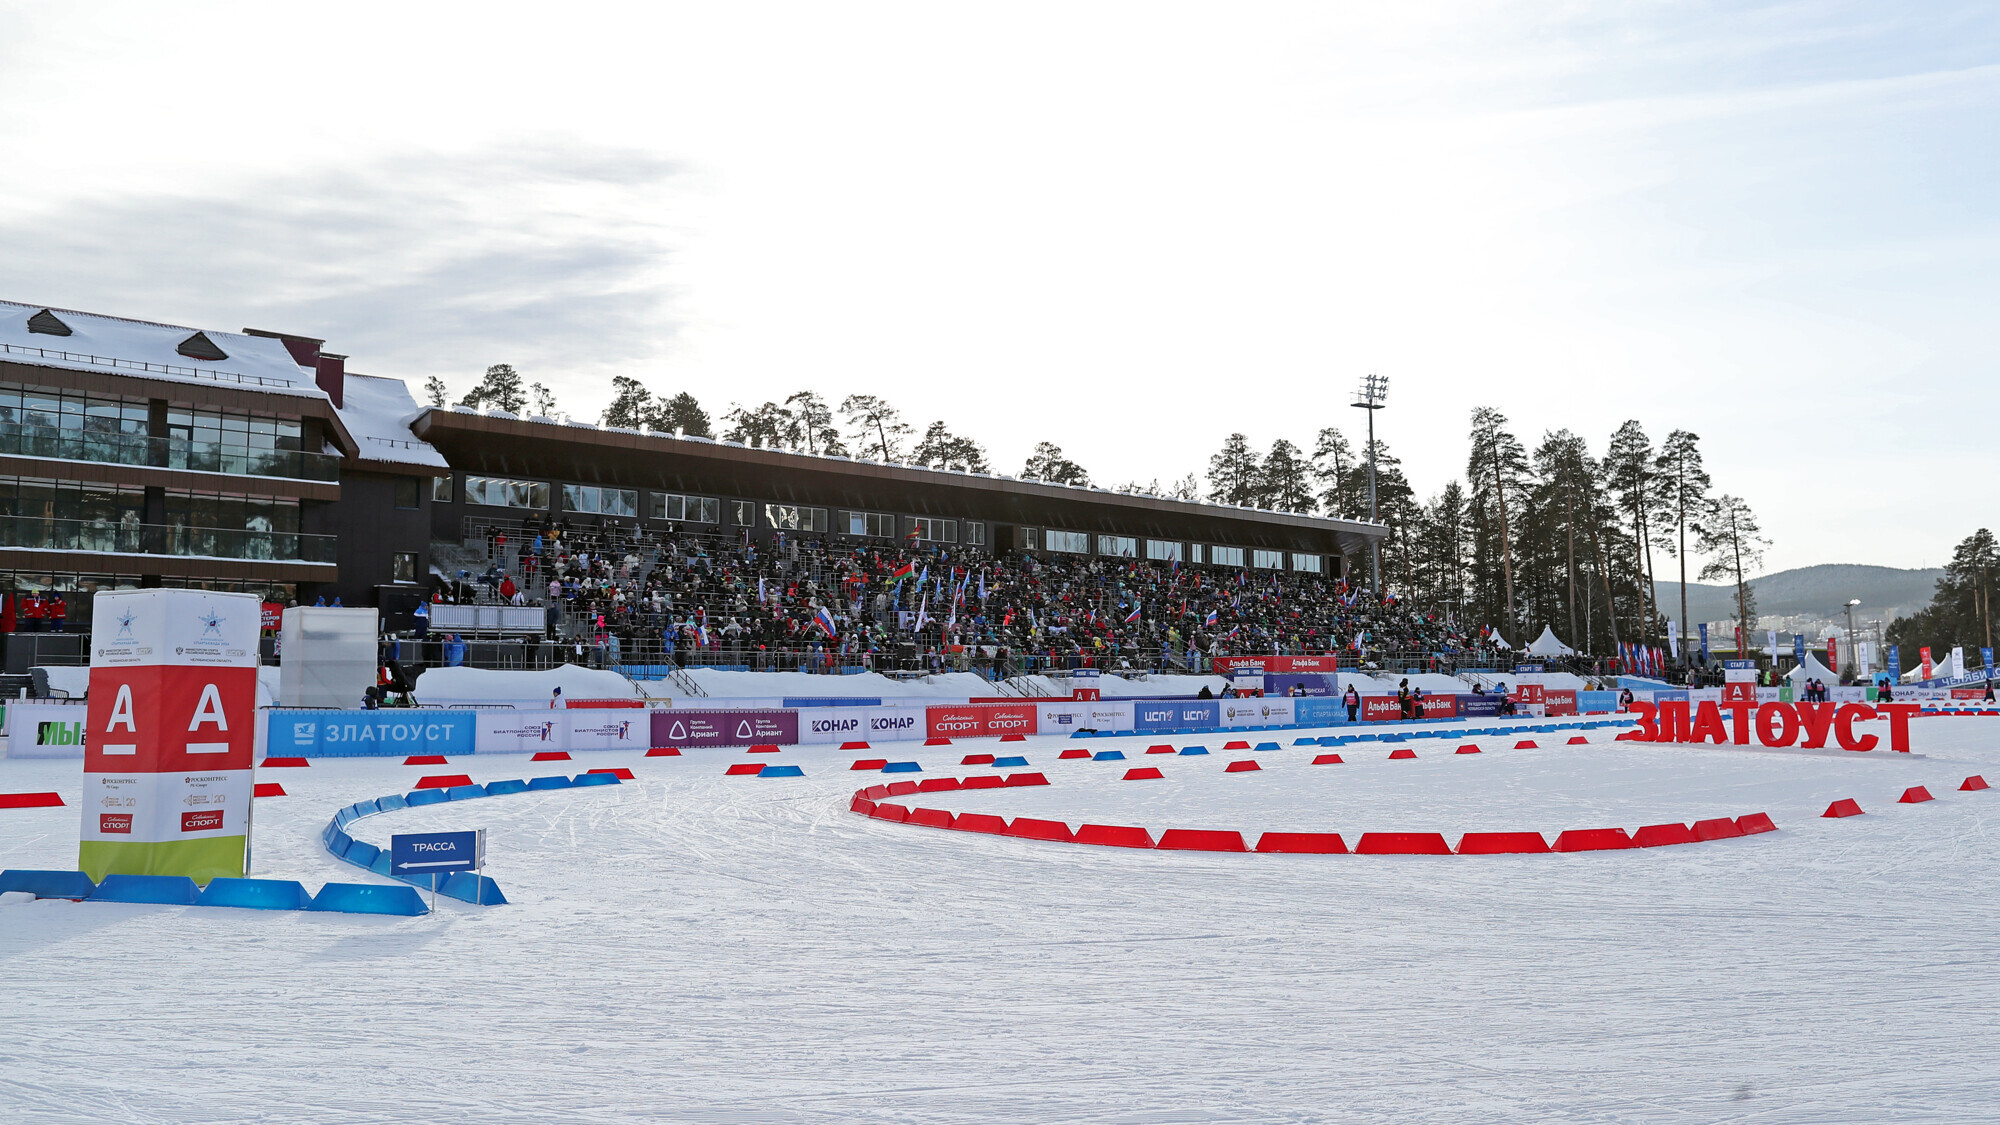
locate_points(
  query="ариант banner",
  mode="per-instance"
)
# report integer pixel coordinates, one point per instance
(170, 734)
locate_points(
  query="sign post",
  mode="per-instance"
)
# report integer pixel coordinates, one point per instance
(170, 734)
(438, 853)
(1528, 686)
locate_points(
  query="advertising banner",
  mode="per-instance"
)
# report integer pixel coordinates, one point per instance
(1176, 714)
(1559, 701)
(1266, 712)
(1478, 706)
(1279, 665)
(1066, 716)
(695, 730)
(1924, 655)
(1381, 708)
(1301, 684)
(979, 720)
(170, 734)
(1319, 711)
(1528, 693)
(353, 734)
(45, 730)
(1739, 681)
(608, 729)
(1894, 656)
(503, 730)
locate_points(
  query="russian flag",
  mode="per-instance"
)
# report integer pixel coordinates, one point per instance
(1132, 616)
(1211, 619)
(824, 619)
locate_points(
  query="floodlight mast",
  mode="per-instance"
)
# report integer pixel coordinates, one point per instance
(1373, 393)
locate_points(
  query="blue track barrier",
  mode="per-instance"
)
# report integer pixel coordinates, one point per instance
(48, 884)
(370, 898)
(781, 771)
(601, 778)
(464, 792)
(475, 889)
(425, 797)
(161, 890)
(502, 788)
(1194, 750)
(255, 894)
(550, 783)
(1108, 756)
(1010, 760)
(902, 767)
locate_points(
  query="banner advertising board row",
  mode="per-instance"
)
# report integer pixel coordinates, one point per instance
(355, 734)
(45, 730)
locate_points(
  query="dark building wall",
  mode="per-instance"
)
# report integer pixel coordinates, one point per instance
(374, 526)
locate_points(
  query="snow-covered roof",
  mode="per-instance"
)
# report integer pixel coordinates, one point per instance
(378, 412)
(143, 348)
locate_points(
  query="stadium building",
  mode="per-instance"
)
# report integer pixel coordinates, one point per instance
(147, 454)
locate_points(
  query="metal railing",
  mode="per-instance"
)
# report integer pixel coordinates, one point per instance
(134, 538)
(140, 365)
(165, 453)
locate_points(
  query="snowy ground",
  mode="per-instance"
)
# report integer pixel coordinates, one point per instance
(691, 947)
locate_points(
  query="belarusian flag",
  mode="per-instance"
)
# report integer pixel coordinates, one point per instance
(904, 571)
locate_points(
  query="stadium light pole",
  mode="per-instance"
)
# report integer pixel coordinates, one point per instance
(1853, 654)
(1373, 392)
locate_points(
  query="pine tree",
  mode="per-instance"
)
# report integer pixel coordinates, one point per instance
(499, 389)
(1047, 463)
(1232, 473)
(1683, 494)
(1729, 535)
(682, 414)
(544, 400)
(760, 428)
(435, 392)
(632, 405)
(875, 427)
(1334, 465)
(1629, 470)
(940, 449)
(809, 425)
(1285, 480)
(1960, 611)
(1497, 466)
(1186, 488)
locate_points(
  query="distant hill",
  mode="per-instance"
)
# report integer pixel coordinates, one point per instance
(1818, 591)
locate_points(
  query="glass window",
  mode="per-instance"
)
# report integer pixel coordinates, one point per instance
(404, 568)
(1069, 542)
(1118, 546)
(791, 517)
(1226, 556)
(686, 509)
(441, 489)
(935, 530)
(1268, 560)
(1197, 553)
(1308, 563)
(1162, 551)
(1031, 539)
(877, 524)
(589, 499)
(406, 492)
(975, 534)
(504, 492)
(745, 511)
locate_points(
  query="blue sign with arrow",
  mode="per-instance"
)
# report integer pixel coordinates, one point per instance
(429, 853)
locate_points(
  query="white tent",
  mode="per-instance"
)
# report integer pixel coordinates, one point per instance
(1548, 645)
(1812, 669)
(1498, 641)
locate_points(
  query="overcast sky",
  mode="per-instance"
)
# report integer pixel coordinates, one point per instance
(1128, 230)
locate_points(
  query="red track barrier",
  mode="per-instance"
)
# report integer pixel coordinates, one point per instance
(868, 764)
(1245, 766)
(442, 781)
(271, 763)
(896, 813)
(985, 781)
(619, 772)
(899, 788)
(744, 769)
(1502, 843)
(30, 800)
(1846, 806)
(1068, 754)
(854, 746)
(1200, 840)
(1028, 828)
(424, 760)
(1329, 760)
(976, 760)
(937, 741)
(1236, 745)
(269, 789)
(1750, 824)
(1114, 836)
(1013, 738)
(1915, 795)
(1159, 750)
(1526, 744)
(1143, 773)
(1468, 748)
(550, 756)
(1626, 736)
(664, 752)
(1302, 843)
(862, 805)
(929, 818)
(1014, 779)
(762, 748)
(980, 822)
(1592, 840)
(1719, 828)
(937, 785)
(1402, 843)
(875, 792)
(1404, 752)
(1973, 784)
(1578, 740)
(1660, 835)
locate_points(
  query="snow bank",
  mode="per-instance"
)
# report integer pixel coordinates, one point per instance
(456, 686)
